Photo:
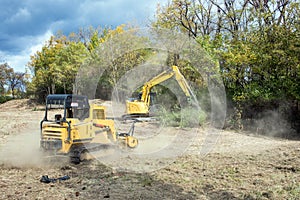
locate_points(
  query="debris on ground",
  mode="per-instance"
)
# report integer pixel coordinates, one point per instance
(46, 179)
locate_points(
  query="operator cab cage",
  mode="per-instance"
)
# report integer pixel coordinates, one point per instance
(152, 97)
(74, 106)
(139, 97)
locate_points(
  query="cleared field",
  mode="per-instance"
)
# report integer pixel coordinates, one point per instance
(237, 166)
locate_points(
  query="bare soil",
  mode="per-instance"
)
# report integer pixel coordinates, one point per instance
(215, 165)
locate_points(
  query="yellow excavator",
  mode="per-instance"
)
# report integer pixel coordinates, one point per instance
(140, 107)
(71, 126)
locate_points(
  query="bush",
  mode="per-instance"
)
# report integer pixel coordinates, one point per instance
(191, 117)
(4, 99)
(185, 117)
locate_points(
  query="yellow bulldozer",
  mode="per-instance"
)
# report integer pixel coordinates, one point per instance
(71, 126)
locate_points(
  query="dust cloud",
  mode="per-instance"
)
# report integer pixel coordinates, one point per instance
(271, 123)
(23, 150)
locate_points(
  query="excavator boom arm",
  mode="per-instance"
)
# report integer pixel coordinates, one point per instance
(182, 82)
(163, 77)
(153, 82)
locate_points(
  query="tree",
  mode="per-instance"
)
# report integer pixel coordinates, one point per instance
(44, 68)
(15, 80)
(256, 43)
(54, 67)
(3, 70)
(69, 60)
(113, 57)
(226, 17)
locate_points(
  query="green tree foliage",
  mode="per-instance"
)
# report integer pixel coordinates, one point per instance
(54, 67)
(115, 55)
(44, 67)
(256, 42)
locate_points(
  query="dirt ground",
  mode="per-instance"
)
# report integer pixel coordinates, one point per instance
(199, 163)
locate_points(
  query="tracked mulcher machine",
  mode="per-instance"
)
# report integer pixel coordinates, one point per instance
(71, 126)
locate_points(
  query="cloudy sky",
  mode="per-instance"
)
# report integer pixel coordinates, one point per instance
(25, 25)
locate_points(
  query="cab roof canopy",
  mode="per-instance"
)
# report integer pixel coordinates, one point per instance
(60, 99)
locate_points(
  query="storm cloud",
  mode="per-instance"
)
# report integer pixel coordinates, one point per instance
(27, 24)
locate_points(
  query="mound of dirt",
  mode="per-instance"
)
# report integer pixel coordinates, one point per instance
(19, 104)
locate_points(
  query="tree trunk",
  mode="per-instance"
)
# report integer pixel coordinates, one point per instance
(53, 88)
(49, 90)
(12, 92)
(65, 91)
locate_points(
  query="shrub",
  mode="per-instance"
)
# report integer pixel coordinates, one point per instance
(4, 99)
(185, 117)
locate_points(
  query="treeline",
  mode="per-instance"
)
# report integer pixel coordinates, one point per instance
(55, 67)
(257, 44)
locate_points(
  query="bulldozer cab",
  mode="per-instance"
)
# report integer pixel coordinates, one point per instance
(64, 106)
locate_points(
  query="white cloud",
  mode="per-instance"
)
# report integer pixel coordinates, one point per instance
(26, 25)
(40, 41)
(21, 15)
(20, 60)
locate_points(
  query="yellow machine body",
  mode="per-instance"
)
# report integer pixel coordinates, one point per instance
(137, 107)
(68, 132)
